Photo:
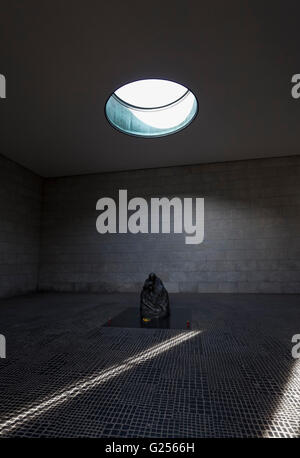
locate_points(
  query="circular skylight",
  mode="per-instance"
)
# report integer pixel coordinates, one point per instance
(151, 108)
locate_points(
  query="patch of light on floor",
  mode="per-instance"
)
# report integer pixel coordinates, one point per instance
(285, 421)
(91, 382)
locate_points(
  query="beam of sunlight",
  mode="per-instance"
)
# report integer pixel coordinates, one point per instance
(74, 390)
(285, 421)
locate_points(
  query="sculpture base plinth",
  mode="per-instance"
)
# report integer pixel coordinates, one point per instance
(131, 318)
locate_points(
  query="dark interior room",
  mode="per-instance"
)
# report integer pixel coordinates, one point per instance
(149, 220)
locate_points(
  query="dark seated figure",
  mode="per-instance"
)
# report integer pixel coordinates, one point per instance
(154, 299)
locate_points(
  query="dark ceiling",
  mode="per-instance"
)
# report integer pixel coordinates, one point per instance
(62, 59)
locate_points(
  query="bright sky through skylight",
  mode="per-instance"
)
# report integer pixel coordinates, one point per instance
(151, 93)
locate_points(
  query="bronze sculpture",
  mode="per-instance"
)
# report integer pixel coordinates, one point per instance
(154, 301)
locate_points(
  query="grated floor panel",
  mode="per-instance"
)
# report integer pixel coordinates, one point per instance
(231, 375)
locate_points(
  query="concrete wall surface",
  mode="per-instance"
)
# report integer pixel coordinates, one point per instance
(251, 242)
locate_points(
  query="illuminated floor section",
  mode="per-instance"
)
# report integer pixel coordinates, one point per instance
(69, 393)
(67, 376)
(285, 421)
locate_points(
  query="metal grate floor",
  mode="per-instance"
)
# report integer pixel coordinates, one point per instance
(231, 375)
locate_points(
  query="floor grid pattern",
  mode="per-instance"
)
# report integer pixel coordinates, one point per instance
(234, 378)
